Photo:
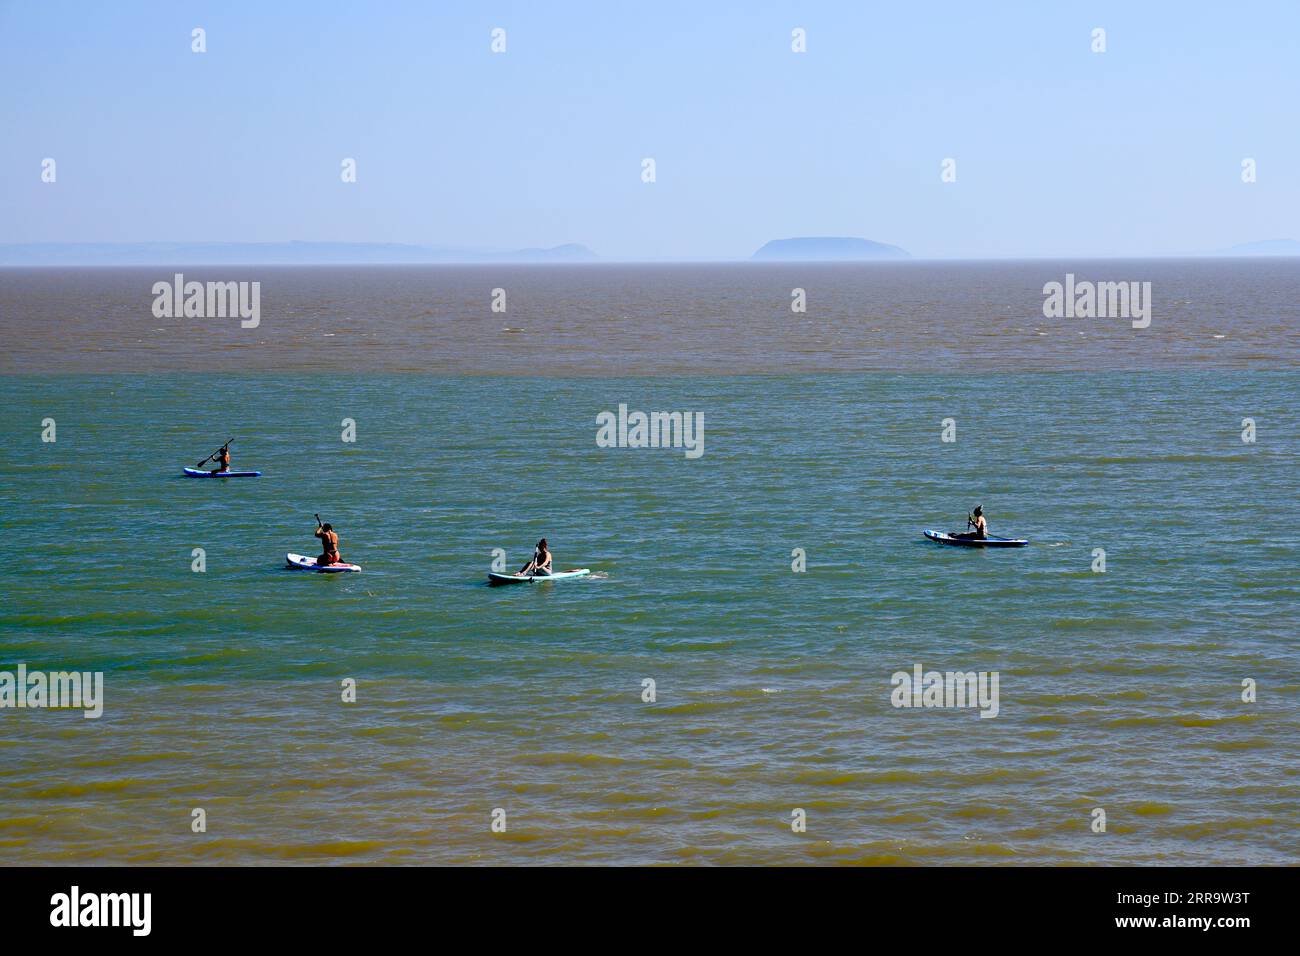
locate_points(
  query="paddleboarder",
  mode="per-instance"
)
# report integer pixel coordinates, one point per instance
(541, 563)
(221, 456)
(223, 460)
(975, 520)
(329, 541)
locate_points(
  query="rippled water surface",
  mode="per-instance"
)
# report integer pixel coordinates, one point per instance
(1119, 691)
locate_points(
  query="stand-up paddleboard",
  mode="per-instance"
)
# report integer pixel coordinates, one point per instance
(496, 578)
(992, 541)
(303, 563)
(200, 473)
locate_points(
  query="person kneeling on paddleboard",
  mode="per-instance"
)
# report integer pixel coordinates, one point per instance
(330, 542)
(978, 523)
(223, 460)
(541, 563)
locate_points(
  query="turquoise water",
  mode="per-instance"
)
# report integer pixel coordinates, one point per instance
(1119, 690)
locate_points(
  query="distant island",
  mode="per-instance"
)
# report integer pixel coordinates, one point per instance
(270, 253)
(827, 249)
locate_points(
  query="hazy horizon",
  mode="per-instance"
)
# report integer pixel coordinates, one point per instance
(128, 254)
(1060, 151)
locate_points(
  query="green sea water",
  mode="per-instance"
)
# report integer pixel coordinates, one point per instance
(1119, 690)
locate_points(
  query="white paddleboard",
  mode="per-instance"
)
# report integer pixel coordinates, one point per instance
(200, 473)
(301, 562)
(497, 578)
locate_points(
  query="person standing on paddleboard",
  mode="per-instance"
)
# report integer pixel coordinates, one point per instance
(977, 521)
(329, 541)
(541, 563)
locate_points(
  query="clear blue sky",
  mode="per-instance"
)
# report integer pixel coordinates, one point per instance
(1059, 151)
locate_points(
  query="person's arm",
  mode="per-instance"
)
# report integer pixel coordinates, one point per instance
(319, 533)
(546, 565)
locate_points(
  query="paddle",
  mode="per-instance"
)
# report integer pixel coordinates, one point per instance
(214, 454)
(970, 523)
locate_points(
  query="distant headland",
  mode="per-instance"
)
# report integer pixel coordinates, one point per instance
(827, 249)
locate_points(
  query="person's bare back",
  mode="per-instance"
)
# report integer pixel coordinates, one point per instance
(978, 523)
(330, 543)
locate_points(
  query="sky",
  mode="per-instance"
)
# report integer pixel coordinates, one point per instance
(1059, 151)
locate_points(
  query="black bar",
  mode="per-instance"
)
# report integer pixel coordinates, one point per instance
(873, 905)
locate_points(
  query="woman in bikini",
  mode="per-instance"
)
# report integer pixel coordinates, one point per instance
(541, 563)
(329, 542)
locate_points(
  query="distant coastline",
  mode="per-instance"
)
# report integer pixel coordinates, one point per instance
(296, 252)
(1265, 247)
(271, 253)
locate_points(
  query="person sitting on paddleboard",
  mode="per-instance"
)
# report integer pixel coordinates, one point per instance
(981, 526)
(223, 460)
(541, 563)
(330, 542)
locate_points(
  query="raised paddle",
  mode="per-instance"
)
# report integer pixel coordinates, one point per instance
(214, 454)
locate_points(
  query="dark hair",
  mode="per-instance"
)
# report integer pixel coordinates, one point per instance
(542, 544)
(979, 509)
(328, 527)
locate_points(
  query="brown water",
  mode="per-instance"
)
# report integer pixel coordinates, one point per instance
(656, 319)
